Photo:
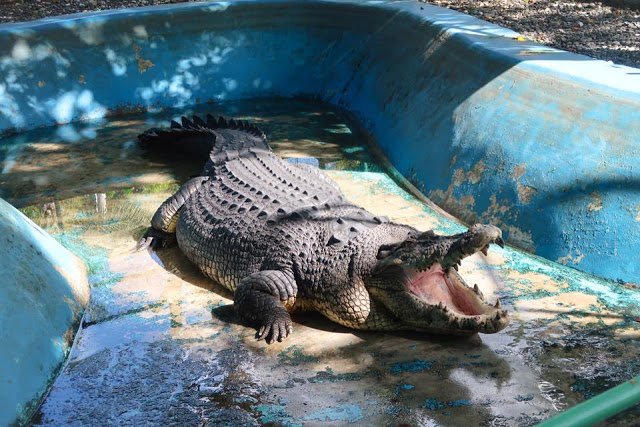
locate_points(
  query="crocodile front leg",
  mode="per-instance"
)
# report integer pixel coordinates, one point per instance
(163, 224)
(260, 299)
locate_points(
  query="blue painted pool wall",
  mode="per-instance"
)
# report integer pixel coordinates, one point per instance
(43, 293)
(541, 142)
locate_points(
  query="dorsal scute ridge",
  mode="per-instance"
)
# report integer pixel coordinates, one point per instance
(156, 133)
(197, 122)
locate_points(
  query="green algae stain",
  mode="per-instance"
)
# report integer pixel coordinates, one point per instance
(328, 376)
(294, 356)
(349, 413)
(403, 387)
(434, 404)
(412, 366)
(95, 258)
(275, 415)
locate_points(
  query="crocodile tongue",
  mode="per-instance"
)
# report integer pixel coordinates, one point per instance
(436, 286)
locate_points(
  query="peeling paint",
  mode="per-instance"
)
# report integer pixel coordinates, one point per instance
(468, 201)
(518, 171)
(497, 214)
(475, 174)
(596, 202)
(571, 258)
(526, 193)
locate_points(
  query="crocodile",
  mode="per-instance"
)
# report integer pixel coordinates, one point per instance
(282, 237)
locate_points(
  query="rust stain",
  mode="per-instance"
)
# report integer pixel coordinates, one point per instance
(468, 200)
(596, 202)
(143, 64)
(495, 207)
(41, 83)
(520, 238)
(81, 79)
(526, 193)
(519, 170)
(495, 214)
(458, 177)
(475, 174)
(638, 214)
(575, 259)
(460, 207)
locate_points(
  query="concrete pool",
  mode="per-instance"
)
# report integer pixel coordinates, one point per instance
(490, 127)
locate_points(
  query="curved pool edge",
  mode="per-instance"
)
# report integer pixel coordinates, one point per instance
(560, 181)
(44, 293)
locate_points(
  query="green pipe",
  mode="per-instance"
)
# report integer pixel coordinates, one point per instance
(598, 408)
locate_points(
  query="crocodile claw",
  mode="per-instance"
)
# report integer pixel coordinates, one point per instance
(275, 330)
(155, 239)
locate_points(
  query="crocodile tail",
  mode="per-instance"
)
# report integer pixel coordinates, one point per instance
(198, 137)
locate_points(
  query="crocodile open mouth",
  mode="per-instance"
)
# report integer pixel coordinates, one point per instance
(418, 281)
(445, 289)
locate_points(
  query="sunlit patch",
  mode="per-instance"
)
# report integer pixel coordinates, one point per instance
(72, 105)
(140, 31)
(63, 108)
(21, 51)
(576, 307)
(314, 341)
(230, 84)
(90, 31)
(68, 133)
(532, 283)
(118, 63)
(218, 6)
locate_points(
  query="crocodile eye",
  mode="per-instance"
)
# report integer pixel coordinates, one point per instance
(383, 254)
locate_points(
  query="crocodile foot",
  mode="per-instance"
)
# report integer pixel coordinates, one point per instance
(155, 239)
(276, 327)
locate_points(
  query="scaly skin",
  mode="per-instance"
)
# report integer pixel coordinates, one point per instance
(282, 237)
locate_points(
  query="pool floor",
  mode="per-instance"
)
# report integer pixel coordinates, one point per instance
(160, 343)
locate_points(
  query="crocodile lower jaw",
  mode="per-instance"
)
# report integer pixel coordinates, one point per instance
(464, 307)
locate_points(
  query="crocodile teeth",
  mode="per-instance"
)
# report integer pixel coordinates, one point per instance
(455, 266)
(485, 250)
(476, 289)
(497, 303)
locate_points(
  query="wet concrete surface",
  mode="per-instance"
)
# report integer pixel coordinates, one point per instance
(161, 344)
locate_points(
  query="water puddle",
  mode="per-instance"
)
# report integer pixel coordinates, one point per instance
(161, 343)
